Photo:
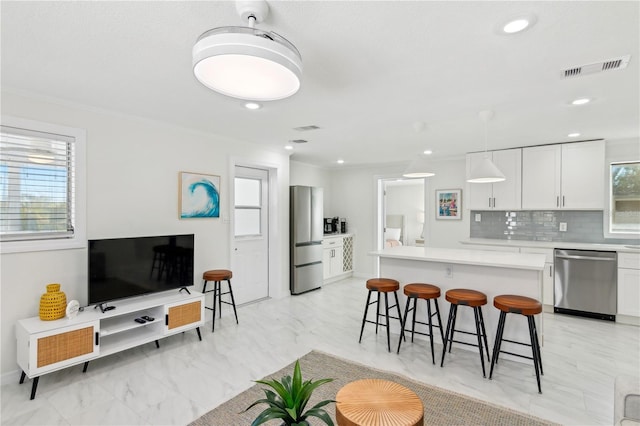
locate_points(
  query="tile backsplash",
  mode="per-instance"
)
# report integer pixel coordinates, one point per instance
(542, 225)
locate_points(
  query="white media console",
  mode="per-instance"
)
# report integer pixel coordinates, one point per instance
(47, 346)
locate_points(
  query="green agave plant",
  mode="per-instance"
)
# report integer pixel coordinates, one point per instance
(290, 399)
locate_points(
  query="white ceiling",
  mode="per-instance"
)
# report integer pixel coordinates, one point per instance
(371, 70)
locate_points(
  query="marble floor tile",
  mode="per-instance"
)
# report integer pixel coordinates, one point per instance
(185, 377)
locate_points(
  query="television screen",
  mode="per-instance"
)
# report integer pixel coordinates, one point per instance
(126, 267)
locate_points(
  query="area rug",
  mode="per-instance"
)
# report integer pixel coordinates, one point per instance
(441, 407)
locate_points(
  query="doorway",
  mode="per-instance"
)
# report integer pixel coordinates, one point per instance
(401, 212)
(250, 256)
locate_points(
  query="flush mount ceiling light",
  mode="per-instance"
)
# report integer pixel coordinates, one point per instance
(245, 62)
(485, 171)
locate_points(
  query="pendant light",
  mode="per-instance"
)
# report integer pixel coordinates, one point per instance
(485, 171)
(245, 62)
(419, 167)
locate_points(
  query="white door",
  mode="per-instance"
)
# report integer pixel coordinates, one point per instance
(251, 235)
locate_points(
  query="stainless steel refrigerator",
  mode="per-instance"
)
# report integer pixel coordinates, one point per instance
(306, 232)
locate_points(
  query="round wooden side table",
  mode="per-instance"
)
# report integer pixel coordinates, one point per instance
(374, 402)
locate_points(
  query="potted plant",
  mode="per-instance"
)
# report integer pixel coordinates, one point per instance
(289, 400)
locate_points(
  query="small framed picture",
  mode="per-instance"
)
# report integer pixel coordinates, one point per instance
(199, 195)
(449, 204)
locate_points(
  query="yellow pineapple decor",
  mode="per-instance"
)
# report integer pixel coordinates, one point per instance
(53, 304)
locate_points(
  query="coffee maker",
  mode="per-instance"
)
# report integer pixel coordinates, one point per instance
(331, 225)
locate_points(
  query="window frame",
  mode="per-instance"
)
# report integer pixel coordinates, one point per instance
(608, 233)
(79, 239)
(258, 207)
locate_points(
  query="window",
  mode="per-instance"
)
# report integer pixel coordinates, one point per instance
(41, 186)
(248, 195)
(625, 198)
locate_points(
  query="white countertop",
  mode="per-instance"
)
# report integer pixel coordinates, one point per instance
(464, 256)
(551, 245)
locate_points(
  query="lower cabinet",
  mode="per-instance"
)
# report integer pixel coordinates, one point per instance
(547, 274)
(629, 284)
(337, 256)
(47, 346)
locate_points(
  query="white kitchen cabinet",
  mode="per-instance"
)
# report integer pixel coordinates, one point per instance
(504, 195)
(337, 256)
(564, 176)
(628, 286)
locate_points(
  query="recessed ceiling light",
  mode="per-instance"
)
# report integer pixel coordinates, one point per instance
(340, 161)
(573, 135)
(517, 24)
(580, 101)
(252, 105)
(288, 147)
(427, 152)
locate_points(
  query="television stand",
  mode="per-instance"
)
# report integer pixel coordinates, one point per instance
(48, 346)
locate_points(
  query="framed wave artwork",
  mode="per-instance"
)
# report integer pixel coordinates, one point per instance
(199, 195)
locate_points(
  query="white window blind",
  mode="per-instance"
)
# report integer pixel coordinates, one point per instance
(37, 175)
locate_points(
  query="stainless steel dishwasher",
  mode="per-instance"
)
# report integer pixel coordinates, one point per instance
(585, 283)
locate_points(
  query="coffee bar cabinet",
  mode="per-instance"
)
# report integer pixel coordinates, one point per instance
(47, 346)
(337, 257)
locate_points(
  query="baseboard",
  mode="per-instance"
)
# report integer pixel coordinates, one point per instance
(627, 319)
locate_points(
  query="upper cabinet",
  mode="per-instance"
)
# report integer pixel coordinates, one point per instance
(505, 195)
(564, 176)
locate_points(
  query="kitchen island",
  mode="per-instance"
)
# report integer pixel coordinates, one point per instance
(490, 272)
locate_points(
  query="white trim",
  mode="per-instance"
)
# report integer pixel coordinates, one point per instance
(79, 239)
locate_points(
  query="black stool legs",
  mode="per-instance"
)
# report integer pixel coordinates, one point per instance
(480, 333)
(535, 347)
(414, 322)
(378, 314)
(217, 299)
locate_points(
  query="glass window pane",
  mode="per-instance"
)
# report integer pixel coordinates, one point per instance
(625, 197)
(247, 192)
(247, 222)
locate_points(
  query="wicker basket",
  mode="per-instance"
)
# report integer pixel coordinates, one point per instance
(53, 303)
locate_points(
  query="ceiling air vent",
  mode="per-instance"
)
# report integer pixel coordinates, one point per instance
(608, 65)
(298, 141)
(306, 128)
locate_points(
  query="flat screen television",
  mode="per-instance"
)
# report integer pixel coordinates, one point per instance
(127, 267)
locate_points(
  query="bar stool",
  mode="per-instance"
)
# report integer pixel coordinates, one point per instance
(381, 285)
(426, 292)
(476, 300)
(218, 275)
(512, 304)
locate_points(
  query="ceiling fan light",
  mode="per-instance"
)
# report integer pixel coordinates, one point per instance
(247, 63)
(418, 169)
(486, 172)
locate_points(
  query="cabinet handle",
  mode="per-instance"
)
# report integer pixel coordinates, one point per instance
(563, 201)
(97, 339)
(550, 268)
(494, 202)
(489, 201)
(557, 201)
(166, 320)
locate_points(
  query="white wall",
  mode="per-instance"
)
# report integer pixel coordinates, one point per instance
(132, 190)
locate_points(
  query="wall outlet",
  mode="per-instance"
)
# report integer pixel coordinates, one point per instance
(448, 271)
(478, 217)
(563, 226)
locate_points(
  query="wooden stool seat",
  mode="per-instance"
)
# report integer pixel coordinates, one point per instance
(217, 275)
(372, 402)
(466, 297)
(511, 303)
(422, 291)
(383, 285)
